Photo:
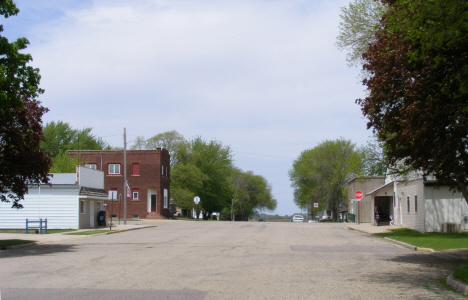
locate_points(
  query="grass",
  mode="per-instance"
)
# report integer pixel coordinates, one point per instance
(88, 232)
(33, 231)
(461, 274)
(4, 243)
(435, 240)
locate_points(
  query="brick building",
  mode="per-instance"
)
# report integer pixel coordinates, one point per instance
(148, 174)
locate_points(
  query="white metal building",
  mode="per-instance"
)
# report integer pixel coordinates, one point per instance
(71, 201)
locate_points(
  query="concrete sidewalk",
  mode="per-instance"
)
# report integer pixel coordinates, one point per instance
(367, 228)
(57, 238)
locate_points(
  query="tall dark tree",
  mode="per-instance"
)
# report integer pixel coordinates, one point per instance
(418, 88)
(21, 159)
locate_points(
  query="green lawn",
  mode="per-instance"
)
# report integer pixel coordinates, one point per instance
(4, 243)
(33, 231)
(461, 274)
(88, 232)
(434, 240)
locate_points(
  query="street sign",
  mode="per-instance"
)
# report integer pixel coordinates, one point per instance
(358, 195)
(315, 204)
(196, 200)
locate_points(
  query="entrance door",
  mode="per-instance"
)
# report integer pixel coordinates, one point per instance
(91, 214)
(153, 202)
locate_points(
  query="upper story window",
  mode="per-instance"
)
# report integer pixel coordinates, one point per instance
(162, 170)
(136, 169)
(91, 166)
(114, 168)
(135, 194)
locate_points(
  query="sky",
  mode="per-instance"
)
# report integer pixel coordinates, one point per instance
(263, 77)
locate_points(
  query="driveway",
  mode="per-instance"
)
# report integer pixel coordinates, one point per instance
(225, 260)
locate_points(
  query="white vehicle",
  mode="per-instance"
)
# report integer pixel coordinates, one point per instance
(298, 218)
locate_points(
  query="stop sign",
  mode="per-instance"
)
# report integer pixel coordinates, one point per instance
(358, 195)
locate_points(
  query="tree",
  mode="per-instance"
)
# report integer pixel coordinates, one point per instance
(170, 140)
(61, 137)
(210, 164)
(21, 160)
(251, 193)
(320, 174)
(359, 22)
(418, 88)
(374, 159)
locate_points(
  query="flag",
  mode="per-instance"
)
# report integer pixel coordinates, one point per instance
(129, 194)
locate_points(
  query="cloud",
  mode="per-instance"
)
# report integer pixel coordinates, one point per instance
(261, 76)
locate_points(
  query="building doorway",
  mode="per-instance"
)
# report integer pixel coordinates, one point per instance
(153, 202)
(384, 208)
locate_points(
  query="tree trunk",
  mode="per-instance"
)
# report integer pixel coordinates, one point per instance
(464, 190)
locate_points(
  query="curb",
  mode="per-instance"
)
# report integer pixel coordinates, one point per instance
(409, 246)
(117, 231)
(458, 285)
(403, 244)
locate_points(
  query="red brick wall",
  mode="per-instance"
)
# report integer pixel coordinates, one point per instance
(150, 176)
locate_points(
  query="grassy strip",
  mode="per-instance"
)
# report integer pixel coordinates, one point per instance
(4, 243)
(88, 232)
(461, 274)
(435, 240)
(33, 231)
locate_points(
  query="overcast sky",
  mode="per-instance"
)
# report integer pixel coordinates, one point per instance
(263, 77)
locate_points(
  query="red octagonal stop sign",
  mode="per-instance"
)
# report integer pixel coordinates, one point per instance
(358, 195)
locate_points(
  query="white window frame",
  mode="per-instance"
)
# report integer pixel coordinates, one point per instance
(166, 200)
(91, 166)
(137, 195)
(82, 207)
(111, 169)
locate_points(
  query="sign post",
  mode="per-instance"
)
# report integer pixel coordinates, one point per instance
(197, 200)
(358, 196)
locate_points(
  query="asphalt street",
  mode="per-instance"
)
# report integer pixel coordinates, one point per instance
(225, 260)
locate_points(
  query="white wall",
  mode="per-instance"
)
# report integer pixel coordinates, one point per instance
(58, 204)
(90, 178)
(443, 206)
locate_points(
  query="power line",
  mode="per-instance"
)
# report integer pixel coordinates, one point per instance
(263, 155)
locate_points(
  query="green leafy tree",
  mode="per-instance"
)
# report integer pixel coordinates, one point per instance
(374, 158)
(172, 141)
(251, 193)
(418, 88)
(21, 159)
(61, 137)
(360, 20)
(320, 174)
(211, 163)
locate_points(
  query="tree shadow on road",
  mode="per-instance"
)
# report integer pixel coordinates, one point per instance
(427, 270)
(36, 250)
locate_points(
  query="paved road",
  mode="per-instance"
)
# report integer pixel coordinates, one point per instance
(225, 260)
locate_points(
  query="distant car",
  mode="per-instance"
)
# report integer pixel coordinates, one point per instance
(261, 220)
(298, 218)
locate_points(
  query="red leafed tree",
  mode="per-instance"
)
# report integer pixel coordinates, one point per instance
(417, 83)
(21, 159)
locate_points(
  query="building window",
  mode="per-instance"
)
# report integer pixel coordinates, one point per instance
(415, 203)
(135, 194)
(82, 207)
(408, 203)
(113, 194)
(135, 216)
(114, 168)
(167, 173)
(91, 166)
(162, 170)
(136, 169)
(166, 204)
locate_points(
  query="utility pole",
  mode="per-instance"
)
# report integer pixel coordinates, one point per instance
(125, 177)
